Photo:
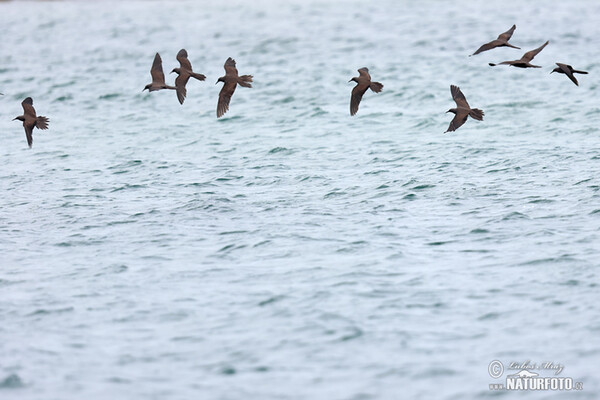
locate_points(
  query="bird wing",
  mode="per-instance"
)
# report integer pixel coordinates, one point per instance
(459, 119)
(459, 97)
(230, 66)
(180, 82)
(28, 107)
(364, 73)
(29, 132)
(182, 57)
(568, 70)
(488, 46)
(225, 97)
(357, 94)
(527, 57)
(508, 34)
(158, 76)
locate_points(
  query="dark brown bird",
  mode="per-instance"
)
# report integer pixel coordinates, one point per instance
(569, 71)
(230, 80)
(502, 41)
(524, 62)
(30, 120)
(462, 111)
(184, 72)
(158, 76)
(363, 83)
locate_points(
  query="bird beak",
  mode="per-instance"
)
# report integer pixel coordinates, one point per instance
(350, 81)
(552, 71)
(447, 112)
(14, 119)
(216, 82)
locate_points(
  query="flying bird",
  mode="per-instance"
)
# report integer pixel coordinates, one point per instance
(524, 62)
(184, 72)
(231, 79)
(502, 41)
(363, 83)
(569, 71)
(158, 76)
(30, 120)
(462, 111)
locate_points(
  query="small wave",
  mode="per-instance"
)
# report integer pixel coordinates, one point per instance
(285, 100)
(128, 186)
(489, 316)
(227, 119)
(514, 215)
(43, 311)
(64, 98)
(12, 381)
(109, 96)
(541, 201)
(423, 187)
(280, 150)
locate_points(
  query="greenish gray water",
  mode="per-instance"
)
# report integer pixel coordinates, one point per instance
(288, 250)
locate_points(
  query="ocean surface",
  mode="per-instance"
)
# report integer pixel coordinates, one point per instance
(287, 250)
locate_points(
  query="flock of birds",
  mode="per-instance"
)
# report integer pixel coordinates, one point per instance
(363, 82)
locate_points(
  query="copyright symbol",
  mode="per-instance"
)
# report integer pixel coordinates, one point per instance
(496, 369)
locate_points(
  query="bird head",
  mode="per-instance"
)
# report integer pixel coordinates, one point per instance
(353, 79)
(452, 110)
(20, 118)
(176, 70)
(147, 87)
(221, 79)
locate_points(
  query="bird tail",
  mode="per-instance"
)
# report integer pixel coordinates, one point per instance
(579, 72)
(42, 123)
(477, 114)
(200, 77)
(376, 87)
(245, 80)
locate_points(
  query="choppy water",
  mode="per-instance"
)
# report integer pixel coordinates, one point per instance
(289, 251)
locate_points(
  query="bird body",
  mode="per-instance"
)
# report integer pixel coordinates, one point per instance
(230, 81)
(363, 82)
(525, 61)
(501, 41)
(569, 71)
(462, 110)
(31, 120)
(184, 73)
(158, 76)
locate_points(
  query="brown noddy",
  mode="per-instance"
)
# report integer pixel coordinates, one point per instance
(502, 41)
(30, 120)
(363, 83)
(184, 72)
(569, 71)
(158, 76)
(524, 62)
(462, 110)
(231, 79)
